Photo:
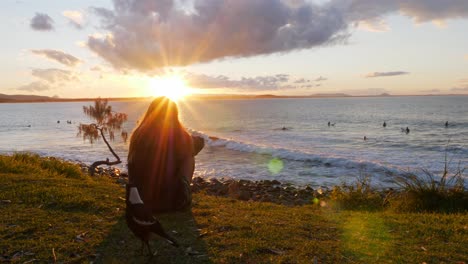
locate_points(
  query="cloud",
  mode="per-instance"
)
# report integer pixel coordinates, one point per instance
(385, 74)
(364, 92)
(76, 18)
(466, 57)
(270, 82)
(34, 87)
(96, 68)
(320, 79)
(58, 56)
(433, 10)
(302, 80)
(431, 91)
(54, 75)
(374, 25)
(42, 22)
(147, 34)
(418, 10)
(460, 89)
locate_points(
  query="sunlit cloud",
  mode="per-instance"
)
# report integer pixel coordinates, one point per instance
(385, 74)
(466, 57)
(76, 18)
(42, 22)
(375, 25)
(418, 10)
(146, 34)
(275, 82)
(35, 87)
(58, 56)
(440, 23)
(54, 75)
(269, 82)
(433, 10)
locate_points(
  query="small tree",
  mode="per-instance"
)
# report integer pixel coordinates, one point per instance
(107, 122)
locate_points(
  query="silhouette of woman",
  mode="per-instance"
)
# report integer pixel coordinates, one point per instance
(161, 158)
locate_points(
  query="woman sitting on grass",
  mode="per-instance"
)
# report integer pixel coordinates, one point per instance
(161, 158)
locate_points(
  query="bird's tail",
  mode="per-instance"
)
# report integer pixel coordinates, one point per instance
(159, 230)
(142, 215)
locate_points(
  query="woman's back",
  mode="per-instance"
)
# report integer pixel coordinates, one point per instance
(160, 149)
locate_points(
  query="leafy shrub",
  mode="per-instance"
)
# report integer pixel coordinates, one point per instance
(357, 196)
(425, 192)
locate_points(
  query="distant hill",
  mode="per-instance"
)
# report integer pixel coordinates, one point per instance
(330, 95)
(4, 98)
(264, 96)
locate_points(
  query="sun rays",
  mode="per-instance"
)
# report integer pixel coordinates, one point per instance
(171, 86)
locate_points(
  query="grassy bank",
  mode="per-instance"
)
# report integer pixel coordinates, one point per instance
(50, 211)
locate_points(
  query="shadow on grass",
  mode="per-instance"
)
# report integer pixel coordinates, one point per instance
(121, 246)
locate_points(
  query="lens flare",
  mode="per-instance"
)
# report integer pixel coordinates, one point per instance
(315, 200)
(275, 166)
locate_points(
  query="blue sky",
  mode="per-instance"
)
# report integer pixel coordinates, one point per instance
(226, 46)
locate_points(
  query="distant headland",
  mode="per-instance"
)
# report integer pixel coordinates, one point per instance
(20, 98)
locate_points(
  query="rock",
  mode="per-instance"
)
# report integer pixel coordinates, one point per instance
(244, 195)
(121, 181)
(234, 189)
(223, 190)
(198, 180)
(214, 181)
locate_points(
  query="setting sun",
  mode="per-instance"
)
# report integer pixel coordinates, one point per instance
(171, 86)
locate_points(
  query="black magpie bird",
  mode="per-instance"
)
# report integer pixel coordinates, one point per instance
(141, 221)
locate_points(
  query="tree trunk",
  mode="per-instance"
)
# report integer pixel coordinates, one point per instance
(93, 166)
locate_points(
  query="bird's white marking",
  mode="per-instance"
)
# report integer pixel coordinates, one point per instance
(134, 196)
(143, 223)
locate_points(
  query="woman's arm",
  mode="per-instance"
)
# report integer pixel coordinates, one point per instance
(186, 169)
(198, 144)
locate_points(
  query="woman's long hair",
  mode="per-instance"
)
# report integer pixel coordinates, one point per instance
(157, 147)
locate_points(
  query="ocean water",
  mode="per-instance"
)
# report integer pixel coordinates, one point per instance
(246, 139)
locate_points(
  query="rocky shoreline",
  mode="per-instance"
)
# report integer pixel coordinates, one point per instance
(263, 190)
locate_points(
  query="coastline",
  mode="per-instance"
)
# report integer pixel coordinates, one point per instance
(44, 99)
(272, 191)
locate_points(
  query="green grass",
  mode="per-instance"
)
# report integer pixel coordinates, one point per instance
(80, 219)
